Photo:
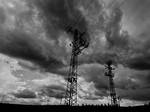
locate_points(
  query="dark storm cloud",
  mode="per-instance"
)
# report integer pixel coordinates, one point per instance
(122, 48)
(115, 40)
(102, 92)
(136, 94)
(140, 15)
(140, 58)
(53, 91)
(114, 36)
(94, 73)
(140, 62)
(2, 16)
(101, 57)
(27, 65)
(58, 15)
(20, 45)
(132, 84)
(25, 94)
(55, 20)
(21, 40)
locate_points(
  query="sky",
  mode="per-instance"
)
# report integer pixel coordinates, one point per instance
(35, 50)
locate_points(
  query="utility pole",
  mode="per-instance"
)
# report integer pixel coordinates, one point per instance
(109, 73)
(77, 46)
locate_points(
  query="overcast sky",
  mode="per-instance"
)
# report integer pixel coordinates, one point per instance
(35, 49)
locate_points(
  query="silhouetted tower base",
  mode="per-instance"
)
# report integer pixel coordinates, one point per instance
(77, 47)
(110, 74)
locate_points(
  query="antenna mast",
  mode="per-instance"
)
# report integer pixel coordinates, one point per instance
(109, 73)
(77, 46)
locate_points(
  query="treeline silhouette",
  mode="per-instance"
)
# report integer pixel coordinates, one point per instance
(63, 108)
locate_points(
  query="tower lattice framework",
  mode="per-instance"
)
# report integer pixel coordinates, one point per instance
(109, 73)
(77, 47)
